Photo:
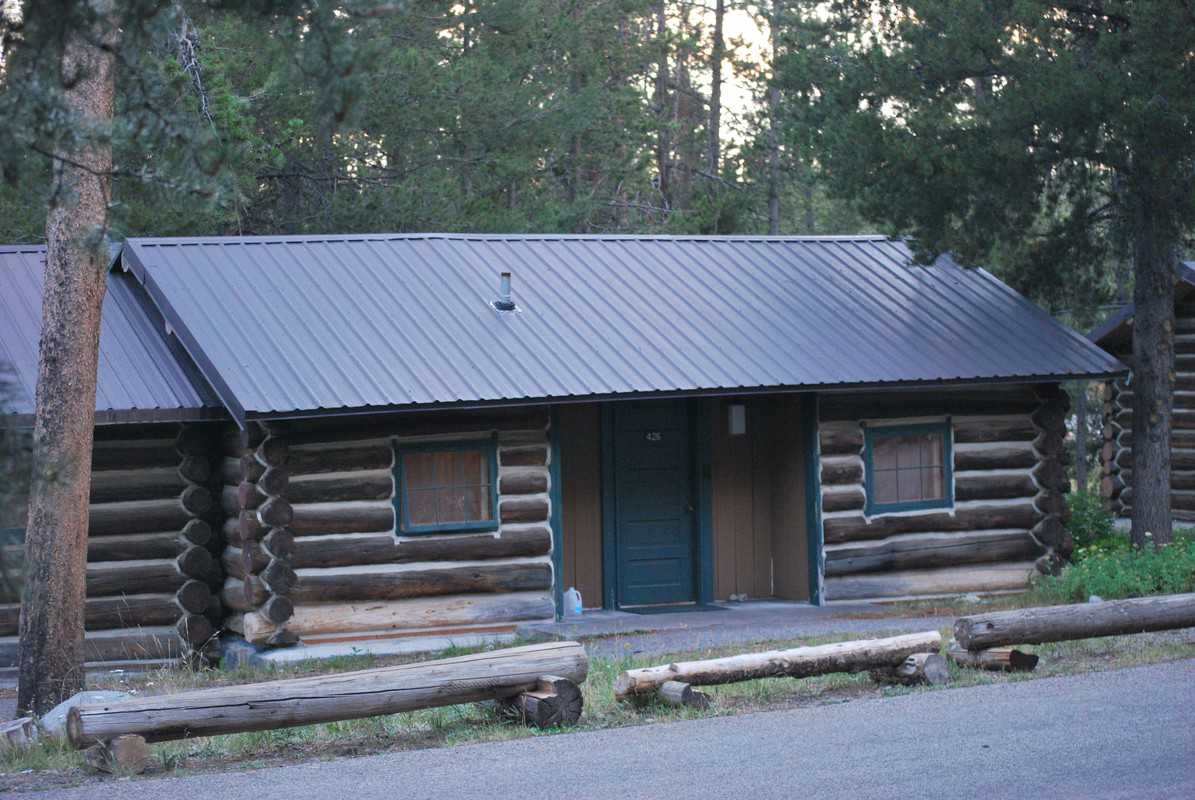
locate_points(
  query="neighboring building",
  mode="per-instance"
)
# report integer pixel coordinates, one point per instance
(653, 420)
(1116, 336)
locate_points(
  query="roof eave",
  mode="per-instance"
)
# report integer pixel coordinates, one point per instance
(132, 262)
(731, 391)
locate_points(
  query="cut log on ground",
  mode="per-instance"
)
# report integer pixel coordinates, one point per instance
(493, 675)
(800, 662)
(995, 659)
(1083, 621)
(554, 702)
(675, 693)
(917, 669)
(127, 755)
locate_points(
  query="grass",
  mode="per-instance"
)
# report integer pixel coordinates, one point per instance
(48, 764)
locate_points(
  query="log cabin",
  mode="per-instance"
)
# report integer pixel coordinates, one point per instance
(375, 436)
(1115, 335)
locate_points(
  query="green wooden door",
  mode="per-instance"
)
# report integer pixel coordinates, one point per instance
(653, 502)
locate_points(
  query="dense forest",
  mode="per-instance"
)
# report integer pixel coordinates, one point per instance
(578, 116)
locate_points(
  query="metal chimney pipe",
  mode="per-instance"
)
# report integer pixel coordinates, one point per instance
(504, 301)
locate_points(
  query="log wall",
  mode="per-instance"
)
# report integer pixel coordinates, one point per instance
(150, 564)
(1008, 513)
(316, 556)
(1116, 455)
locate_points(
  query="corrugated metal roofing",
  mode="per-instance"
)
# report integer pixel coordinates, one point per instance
(139, 378)
(294, 324)
(1113, 326)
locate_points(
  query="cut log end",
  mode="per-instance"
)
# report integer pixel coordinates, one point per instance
(555, 702)
(123, 755)
(995, 659)
(676, 693)
(917, 669)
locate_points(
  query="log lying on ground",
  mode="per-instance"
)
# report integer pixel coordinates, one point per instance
(473, 678)
(555, 701)
(1083, 621)
(995, 659)
(800, 662)
(916, 669)
(675, 693)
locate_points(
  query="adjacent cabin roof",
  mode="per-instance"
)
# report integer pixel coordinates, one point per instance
(316, 324)
(1116, 326)
(140, 379)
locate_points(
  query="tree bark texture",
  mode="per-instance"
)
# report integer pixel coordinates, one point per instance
(493, 675)
(76, 264)
(800, 662)
(774, 126)
(717, 56)
(1153, 373)
(1081, 621)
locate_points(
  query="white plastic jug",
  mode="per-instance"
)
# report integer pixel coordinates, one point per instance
(572, 602)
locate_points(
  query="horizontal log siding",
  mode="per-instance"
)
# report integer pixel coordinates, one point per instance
(150, 562)
(1116, 455)
(355, 576)
(985, 543)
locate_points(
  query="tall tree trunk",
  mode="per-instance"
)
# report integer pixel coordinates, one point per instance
(1081, 437)
(51, 657)
(717, 56)
(774, 125)
(1153, 370)
(663, 108)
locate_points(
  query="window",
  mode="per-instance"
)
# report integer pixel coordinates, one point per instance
(908, 467)
(446, 487)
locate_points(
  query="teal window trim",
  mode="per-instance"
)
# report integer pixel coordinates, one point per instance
(872, 433)
(489, 449)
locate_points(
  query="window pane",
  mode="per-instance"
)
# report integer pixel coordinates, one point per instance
(885, 488)
(933, 483)
(446, 487)
(421, 506)
(909, 483)
(908, 467)
(885, 452)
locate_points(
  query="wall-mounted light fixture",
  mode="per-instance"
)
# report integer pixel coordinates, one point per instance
(736, 419)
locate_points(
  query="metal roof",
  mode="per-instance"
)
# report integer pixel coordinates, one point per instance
(284, 325)
(140, 379)
(1108, 329)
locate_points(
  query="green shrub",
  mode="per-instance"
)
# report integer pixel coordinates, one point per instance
(1089, 521)
(1111, 569)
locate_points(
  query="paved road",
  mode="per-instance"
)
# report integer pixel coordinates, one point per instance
(1123, 734)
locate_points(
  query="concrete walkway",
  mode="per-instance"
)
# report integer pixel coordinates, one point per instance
(1120, 734)
(613, 634)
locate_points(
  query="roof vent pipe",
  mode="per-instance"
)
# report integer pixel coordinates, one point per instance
(504, 301)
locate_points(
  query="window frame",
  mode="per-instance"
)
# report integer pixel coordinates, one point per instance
(872, 433)
(403, 526)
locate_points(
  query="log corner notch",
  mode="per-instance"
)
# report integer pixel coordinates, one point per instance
(260, 577)
(1116, 439)
(554, 702)
(194, 445)
(1050, 477)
